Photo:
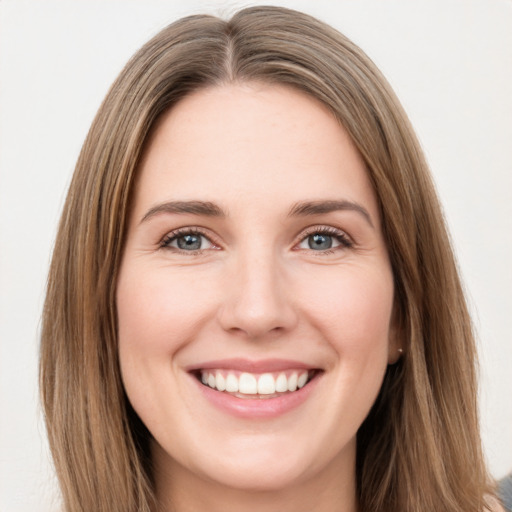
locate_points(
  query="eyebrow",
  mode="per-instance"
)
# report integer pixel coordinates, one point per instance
(306, 208)
(185, 207)
(303, 208)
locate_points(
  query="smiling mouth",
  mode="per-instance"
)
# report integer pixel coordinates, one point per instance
(254, 385)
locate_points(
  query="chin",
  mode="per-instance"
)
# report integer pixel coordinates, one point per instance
(257, 465)
(271, 475)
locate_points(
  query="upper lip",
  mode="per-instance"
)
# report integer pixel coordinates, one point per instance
(252, 366)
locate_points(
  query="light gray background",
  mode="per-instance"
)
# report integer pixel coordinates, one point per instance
(450, 61)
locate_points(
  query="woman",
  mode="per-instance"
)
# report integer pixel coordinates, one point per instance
(253, 303)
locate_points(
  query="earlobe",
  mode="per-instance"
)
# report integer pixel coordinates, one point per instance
(394, 353)
(396, 340)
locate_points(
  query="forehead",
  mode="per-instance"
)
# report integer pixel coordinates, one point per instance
(270, 143)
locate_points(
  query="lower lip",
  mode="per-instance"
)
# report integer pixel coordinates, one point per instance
(253, 408)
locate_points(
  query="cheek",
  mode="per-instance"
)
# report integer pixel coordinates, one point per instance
(158, 311)
(353, 308)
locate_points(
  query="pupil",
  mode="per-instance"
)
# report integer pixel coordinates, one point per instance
(320, 242)
(189, 242)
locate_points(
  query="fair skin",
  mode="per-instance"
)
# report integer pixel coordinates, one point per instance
(279, 268)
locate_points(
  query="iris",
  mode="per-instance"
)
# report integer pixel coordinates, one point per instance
(189, 242)
(320, 242)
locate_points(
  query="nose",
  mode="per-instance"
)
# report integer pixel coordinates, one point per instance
(257, 301)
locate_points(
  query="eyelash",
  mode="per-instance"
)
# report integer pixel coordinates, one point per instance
(340, 236)
(177, 233)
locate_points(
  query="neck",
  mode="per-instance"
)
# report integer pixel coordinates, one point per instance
(178, 489)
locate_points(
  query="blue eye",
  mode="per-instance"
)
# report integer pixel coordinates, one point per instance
(319, 242)
(325, 239)
(187, 241)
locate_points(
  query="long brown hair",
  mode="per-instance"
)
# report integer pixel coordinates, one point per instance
(419, 449)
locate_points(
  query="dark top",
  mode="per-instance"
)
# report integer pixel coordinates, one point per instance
(505, 491)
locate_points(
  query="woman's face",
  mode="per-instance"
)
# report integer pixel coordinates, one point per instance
(255, 294)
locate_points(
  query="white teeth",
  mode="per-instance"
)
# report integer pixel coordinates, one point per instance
(231, 383)
(249, 384)
(266, 384)
(301, 381)
(281, 383)
(221, 381)
(292, 382)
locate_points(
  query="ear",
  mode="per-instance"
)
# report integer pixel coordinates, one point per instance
(396, 345)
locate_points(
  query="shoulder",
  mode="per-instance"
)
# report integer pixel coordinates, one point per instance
(505, 491)
(495, 506)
